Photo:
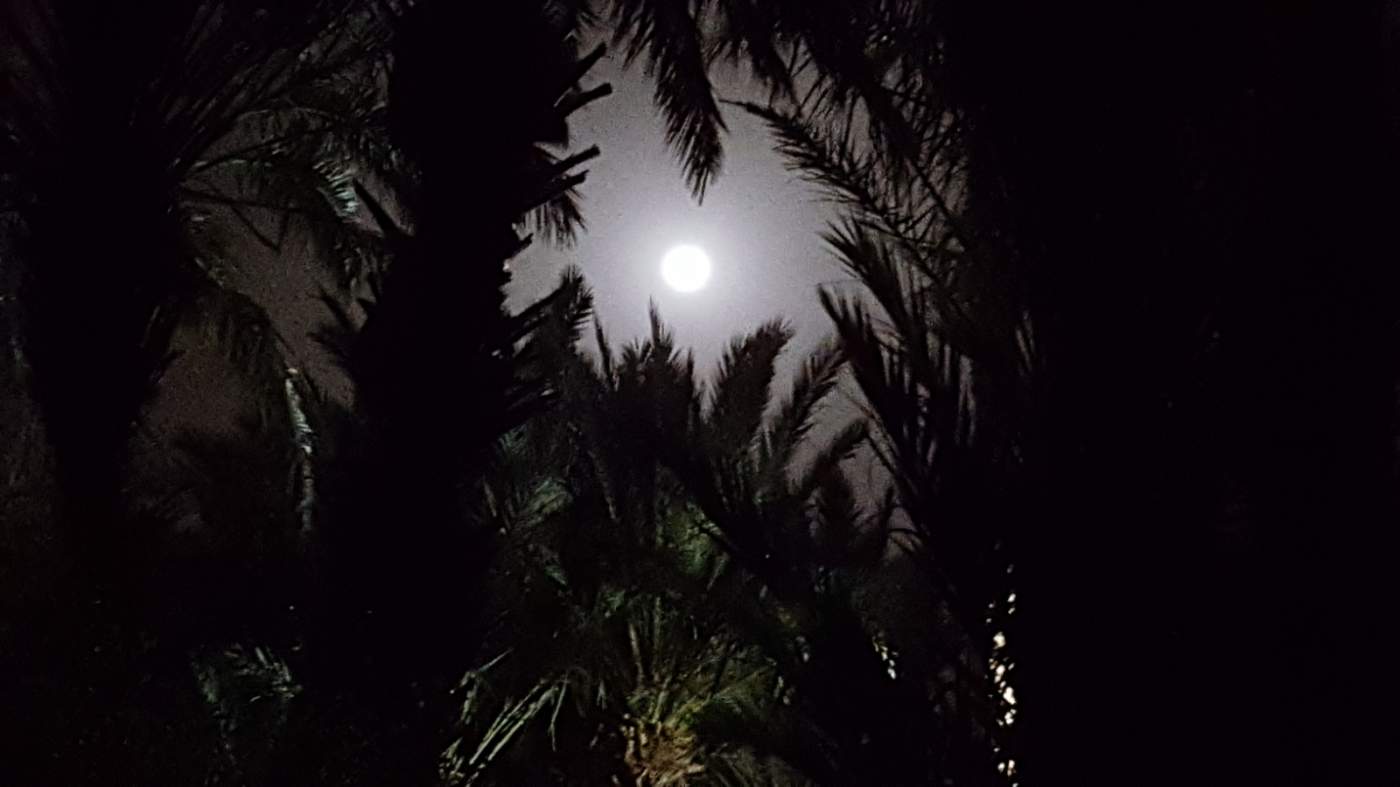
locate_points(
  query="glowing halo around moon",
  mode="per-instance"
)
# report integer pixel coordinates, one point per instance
(686, 268)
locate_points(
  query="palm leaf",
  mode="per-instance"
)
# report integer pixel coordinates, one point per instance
(670, 37)
(796, 413)
(740, 392)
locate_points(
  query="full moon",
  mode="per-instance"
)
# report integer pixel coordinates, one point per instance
(686, 268)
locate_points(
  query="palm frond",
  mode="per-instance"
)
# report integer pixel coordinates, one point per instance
(546, 334)
(670, 37)
(849, 176)
(796, 413)
(553, 208)
(558, 318)
(239, 328)
(606, 366)
(740, 391)
(835, 451)
(337, 338)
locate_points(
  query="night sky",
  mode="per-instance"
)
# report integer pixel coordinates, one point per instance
(760, 224)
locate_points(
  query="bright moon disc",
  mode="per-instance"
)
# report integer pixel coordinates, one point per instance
(686, 268)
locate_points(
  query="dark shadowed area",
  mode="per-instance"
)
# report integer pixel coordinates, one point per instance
(1038, 421)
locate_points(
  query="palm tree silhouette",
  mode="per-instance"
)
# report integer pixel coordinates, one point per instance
(1074, 241)
(437, 366)
(189, 115)
(185, 108)
(676, 584)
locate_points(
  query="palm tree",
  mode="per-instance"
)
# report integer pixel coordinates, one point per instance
(183, 107)
(194, 114)
(684, 593)
(437, 368)
(1108, 280)
(612, 647)
(886, 708)
(833, 59)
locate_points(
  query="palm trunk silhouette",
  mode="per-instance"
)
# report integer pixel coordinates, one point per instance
(435, 367)
(98, 278)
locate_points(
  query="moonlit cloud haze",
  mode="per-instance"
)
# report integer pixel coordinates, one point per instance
(759, 224)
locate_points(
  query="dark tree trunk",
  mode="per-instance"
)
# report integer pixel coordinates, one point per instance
(472, 93)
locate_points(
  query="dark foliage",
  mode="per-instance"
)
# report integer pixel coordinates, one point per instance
(1123, 337)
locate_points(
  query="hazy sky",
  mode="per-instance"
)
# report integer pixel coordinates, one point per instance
(760, 225)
